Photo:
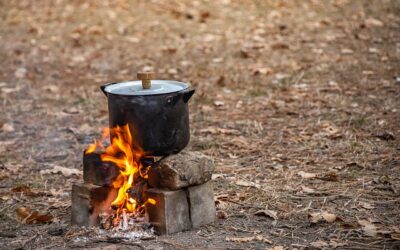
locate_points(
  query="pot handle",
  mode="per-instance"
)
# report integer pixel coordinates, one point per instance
(187, 93)
(103, 87)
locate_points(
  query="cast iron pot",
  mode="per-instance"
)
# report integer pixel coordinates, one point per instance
(157, 113)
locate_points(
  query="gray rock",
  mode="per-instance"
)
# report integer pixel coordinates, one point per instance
(182, 170)
(170, 214)
(201, 204)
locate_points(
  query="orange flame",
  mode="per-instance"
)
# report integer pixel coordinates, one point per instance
(127, 158)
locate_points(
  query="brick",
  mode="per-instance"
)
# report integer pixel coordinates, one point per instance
(97, 172)
(182, 170)
(170, 214)
(88, 201)
(201, 204)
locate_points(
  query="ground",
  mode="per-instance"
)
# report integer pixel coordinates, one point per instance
(297, 102)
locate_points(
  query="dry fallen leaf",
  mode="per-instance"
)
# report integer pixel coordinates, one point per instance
(222, 214)
(67, 172)
(372, 22)
(217, 176)
(330, 176)
(247, 184)
(366, 205)
(276, 248)
(26, 190)
(307, 175)
(219, 103)
(323, 216)
(263, 71)
(319, 244)
(395, 236)
(7, 127)
(20, 73)
(368, 228)
(331, 130)
(249, 239)
(215, 131)
(307, 190)
(33, 217)
(10, 90)
(267, 213)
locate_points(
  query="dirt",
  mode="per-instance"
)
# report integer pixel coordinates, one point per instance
(296, 101)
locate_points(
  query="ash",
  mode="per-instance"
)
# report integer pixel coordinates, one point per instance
(134, 232)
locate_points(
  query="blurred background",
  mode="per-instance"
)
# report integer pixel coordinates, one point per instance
(282, 87)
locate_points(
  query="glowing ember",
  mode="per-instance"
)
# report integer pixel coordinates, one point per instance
(132, 177)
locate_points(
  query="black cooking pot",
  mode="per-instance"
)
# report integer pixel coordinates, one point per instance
(157, 113)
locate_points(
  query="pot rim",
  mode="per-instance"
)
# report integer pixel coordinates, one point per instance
(184, 87)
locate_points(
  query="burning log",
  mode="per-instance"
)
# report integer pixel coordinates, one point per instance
(182, 170)
(98, 172)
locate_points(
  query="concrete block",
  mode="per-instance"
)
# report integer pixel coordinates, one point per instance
(182, 170)
(170, 214)
(88, 201)
(201, 204)
(97, 172)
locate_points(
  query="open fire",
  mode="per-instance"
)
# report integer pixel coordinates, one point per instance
(131, 182)
(145, 182)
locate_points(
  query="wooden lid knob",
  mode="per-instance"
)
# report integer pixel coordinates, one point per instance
(146, 77)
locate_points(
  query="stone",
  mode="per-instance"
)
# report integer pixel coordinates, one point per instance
(89, 201)
(170, 214)
(182, 170)
(97, 172)
(201, 204)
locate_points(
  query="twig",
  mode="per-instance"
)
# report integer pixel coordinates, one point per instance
(28, 240)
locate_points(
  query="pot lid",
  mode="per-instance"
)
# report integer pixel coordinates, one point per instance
(157, 87)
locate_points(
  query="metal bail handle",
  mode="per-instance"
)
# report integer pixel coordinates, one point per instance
(146, 77)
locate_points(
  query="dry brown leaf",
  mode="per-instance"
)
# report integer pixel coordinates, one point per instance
(263, 71)
(20, 73)
(51, 88)
(267, 213)
(222, 214)
(319, 244)
(276, 248)
(67, 172)
(26, 190)
(249, 239)
(395, 236)
(217, 176)
(372, 22)
(10, 90)
(247, 184)
(331, 176)
(215, 131)
(331, 131)
(307, 175)
(307, 190)
(219, 103)
(33, 217)
(368, 228)
(366, 205)
(323, 216)
(279, 46)
(7, 127)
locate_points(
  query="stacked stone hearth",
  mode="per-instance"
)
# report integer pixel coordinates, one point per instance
(180, 184)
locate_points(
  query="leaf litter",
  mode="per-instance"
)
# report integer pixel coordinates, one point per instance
(312, 93)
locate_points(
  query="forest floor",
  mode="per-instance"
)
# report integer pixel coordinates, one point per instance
(297, 102)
